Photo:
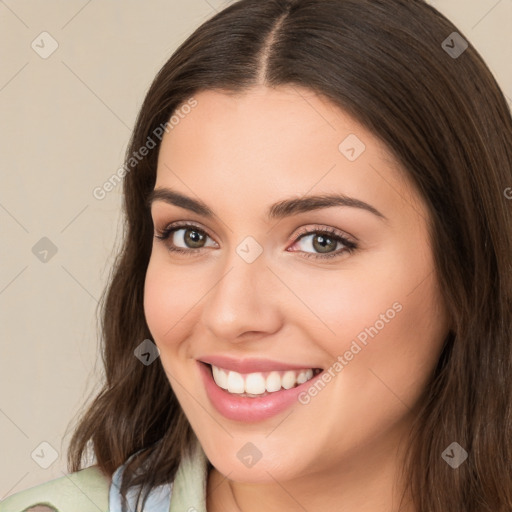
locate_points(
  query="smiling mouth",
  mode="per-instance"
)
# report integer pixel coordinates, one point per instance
(258, 384)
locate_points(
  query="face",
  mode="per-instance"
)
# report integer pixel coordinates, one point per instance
(323, 320)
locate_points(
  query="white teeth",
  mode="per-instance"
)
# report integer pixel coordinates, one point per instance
(304, 376)
(235, 382)
(289, 380)
(273, 382)
(220, 377)
(255, 384)
(259, 383)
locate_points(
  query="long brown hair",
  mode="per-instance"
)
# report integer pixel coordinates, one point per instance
(386, 63)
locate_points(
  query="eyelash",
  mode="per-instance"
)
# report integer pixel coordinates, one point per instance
(334, 234)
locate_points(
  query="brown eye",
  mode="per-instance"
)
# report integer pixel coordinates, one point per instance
(324, 242)
(184, 238)
(193, 238)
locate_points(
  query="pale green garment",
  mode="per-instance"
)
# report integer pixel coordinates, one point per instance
(88, 490)
(189, 486)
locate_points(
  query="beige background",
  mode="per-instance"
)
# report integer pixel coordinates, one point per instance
(65, 123)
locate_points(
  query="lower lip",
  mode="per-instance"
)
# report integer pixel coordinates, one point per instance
(247, 409)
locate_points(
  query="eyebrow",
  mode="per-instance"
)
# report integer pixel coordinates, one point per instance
(279, 210)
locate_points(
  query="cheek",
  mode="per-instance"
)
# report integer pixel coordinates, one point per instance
(386, 360)
(385, 315)
(345, 302)
(391, 342)
(169, 297)
(168, 308)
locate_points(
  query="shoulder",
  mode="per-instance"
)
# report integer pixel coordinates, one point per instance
(83, 491)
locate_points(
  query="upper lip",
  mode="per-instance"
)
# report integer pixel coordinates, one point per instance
(250, 365)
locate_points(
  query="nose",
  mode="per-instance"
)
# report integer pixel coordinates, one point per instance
(244, 300)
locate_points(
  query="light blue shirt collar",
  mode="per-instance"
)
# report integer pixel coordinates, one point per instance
(186, 493)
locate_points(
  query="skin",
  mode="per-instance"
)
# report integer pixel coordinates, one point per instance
(239, 154)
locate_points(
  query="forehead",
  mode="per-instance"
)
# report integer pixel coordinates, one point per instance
(252, 118)
(266, 142)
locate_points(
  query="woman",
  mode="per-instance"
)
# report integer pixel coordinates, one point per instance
(312, 306)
